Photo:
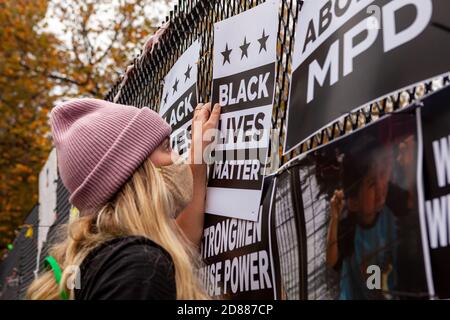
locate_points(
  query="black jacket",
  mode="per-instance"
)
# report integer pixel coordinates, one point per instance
(127, 268)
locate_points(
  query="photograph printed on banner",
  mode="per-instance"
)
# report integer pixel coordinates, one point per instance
(359, 205)
(240, 257)
(180, 97)
(243, 84)
(434, 192)
(376, 46)
(288, 229)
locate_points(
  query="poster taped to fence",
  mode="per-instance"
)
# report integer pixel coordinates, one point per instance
(243, 84)
(180, 97)
(240, 256)
(351, 53)
(357, 201)
(48, 178)
(434, 193)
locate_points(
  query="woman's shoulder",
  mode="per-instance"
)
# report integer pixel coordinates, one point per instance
(130, 267)
(130, 245)
(133, 248)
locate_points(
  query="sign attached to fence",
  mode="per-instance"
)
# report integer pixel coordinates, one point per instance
(434, 194)
(240, 256)
(180, 97)
(357, 202)
(47, 201)
(350, 53)
(243, 84)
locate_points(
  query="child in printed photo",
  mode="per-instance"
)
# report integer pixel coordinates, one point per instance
(362, 228)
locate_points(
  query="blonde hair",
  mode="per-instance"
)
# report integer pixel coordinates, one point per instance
(141, 208)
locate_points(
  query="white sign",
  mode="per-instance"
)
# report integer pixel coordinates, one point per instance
(243, 83)
(48, 178)
(180, 97)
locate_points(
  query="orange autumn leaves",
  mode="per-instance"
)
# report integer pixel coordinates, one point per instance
(24, 101)
(39, 67)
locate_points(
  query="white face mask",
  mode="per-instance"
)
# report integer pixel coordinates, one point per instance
(180, 185)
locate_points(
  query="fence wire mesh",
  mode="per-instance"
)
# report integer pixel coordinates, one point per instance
(191, 20)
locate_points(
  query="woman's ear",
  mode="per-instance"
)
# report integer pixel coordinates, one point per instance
(162, 155)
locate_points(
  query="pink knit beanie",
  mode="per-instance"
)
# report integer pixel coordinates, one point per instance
(100, 144)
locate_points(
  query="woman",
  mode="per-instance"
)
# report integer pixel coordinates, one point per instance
(141, 210)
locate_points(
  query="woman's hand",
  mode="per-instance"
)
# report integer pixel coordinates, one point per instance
(204, 126)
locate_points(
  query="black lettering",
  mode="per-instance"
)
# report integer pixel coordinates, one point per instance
(248, 125)
(259, 126)
(310, 35)
(340, 11)
(325, 17)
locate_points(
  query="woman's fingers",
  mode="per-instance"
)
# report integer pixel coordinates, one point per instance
(207, 107)
(215, 115)
(202, 112)
(197, 110)
(204, 119)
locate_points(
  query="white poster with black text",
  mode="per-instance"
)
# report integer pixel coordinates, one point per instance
(180, 97)
(243, 83)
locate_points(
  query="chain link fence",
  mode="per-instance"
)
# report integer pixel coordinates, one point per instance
(191, 20)
(142, 85)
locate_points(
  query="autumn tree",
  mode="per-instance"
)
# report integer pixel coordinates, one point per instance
(49, 51)
(101, 38)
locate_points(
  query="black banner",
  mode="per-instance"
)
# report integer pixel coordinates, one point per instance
(240, 256)
(358, 203)
(360, 63)
(244, 171)
(182, 110)
(244, 90)
(435, 124)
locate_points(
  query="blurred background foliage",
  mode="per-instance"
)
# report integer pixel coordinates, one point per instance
(51, 51)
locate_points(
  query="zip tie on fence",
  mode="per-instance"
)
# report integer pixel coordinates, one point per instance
(29, 232)
(207, 53)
